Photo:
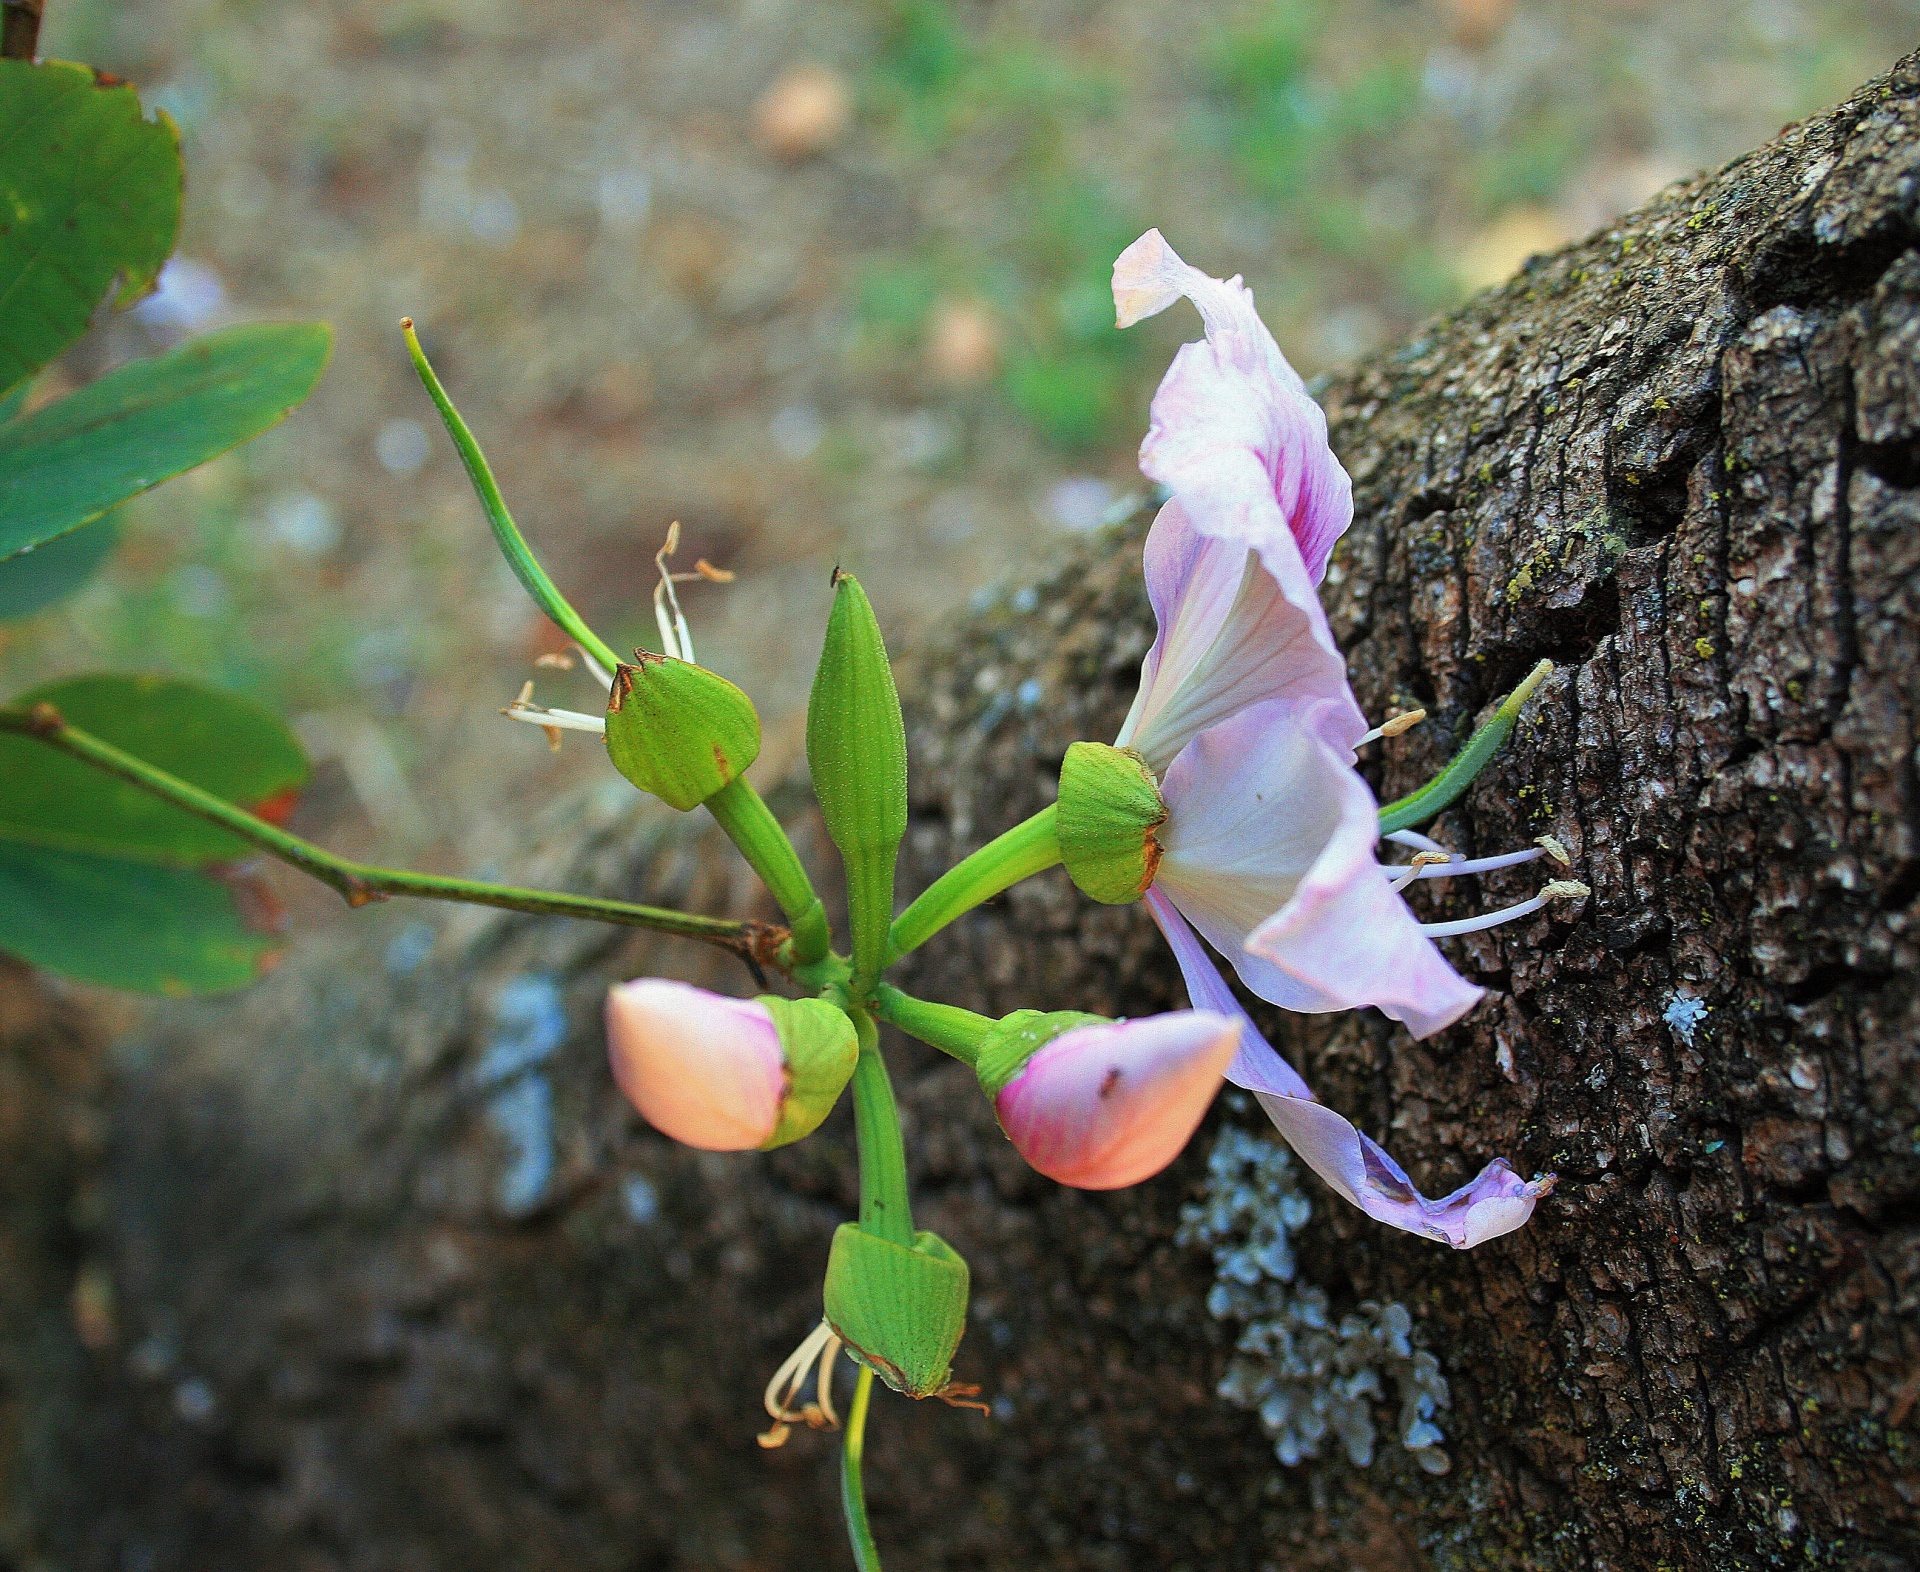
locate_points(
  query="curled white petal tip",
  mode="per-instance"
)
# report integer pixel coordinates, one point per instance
(1105, 1106)
(707, 1070)
(1147, 278)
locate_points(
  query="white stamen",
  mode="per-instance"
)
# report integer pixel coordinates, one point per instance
(1416, 840)
(814, 1357)
(562, 720)
(600, 673)
(1559, 889)
(674, 636)
(1449, 868)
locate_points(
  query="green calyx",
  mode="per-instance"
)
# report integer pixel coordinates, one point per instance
(1011, 1041)
(900, 1310)
(821, 1050)
(1109, 810)
(678, 730)
(857, 751)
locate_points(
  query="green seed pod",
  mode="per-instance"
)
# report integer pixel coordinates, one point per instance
(857, 750)
(901, 1311)
(821, 1049)
(1110, 806)
(678, 730)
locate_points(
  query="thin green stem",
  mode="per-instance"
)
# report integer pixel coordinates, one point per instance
(853, 1492)
(1445, 788)
(884, 1206)
(944, 1026)
(1030, 847)
(743, 813)
(361, 883)
(519, 557)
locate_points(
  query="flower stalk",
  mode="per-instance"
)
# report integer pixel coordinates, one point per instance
(1031, 846)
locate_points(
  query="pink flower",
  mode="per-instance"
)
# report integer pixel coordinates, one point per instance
(727, 1075)
(1108, 1105)
(1245, 714)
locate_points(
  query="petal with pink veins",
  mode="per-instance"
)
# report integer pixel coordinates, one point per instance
(1234, 433)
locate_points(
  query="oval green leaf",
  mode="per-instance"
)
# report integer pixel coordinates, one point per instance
(132, 925)
(89, 191)
(35, 580)
(228, 745)
(66, 464)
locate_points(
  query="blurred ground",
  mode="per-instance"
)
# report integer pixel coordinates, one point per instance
(824, 282)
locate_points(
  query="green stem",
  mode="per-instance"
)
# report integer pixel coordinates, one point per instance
(505, 531)
(1030, 847)
(853, 1493)
(751, 826)
(944, 1026)
(884, 1206)
(1445, 788)
(362, 882)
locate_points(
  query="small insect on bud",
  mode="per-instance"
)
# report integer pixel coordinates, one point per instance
(727, 1075)
(1102, 1104)
(678, 730)
(1110, 810)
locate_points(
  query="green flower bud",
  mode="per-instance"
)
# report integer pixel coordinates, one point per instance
(678, 730)
(901, 1311)
(857, 750)
(821, 1049)
(1110, 806)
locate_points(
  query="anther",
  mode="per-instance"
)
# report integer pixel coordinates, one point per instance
(1417, 868)
(1557, 890)
(814, 1357)
(1552, 847)
(1393, 727)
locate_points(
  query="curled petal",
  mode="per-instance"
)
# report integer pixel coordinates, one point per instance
(1496, 1202)
(1234, 431)
(1268, 850)
(1108, 1105)
(705, 1069)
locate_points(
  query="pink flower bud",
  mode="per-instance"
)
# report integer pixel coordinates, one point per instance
(705, 1069)
(1108, 1105)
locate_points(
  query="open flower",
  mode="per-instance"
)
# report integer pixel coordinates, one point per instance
(1268, 845)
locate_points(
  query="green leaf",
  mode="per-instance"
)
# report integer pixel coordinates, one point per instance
(66, 464)
(89, 190)
(131, 925)
(36, 579)
(225, 744)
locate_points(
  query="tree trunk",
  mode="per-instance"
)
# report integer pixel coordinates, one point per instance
(401, 1282)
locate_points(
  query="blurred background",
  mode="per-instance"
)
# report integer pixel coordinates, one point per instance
(825, 282)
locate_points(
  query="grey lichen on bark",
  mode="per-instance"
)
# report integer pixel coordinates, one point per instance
(1682, 460)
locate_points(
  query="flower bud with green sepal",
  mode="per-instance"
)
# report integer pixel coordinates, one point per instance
(727, 1075)
(679, 731)
(900, 1310)
(1109, 811)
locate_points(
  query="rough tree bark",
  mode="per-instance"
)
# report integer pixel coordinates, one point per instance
(355, 1325)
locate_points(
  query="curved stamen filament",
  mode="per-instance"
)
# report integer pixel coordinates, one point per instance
(552, 721)
(1559, 889)
(814, 1357)
(1417, 841)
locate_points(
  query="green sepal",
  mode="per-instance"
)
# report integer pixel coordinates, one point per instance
(900, 1311)
(857, 750)
(678, 730)
(821, 1049)
(1014, 1039)
(1109, 810)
